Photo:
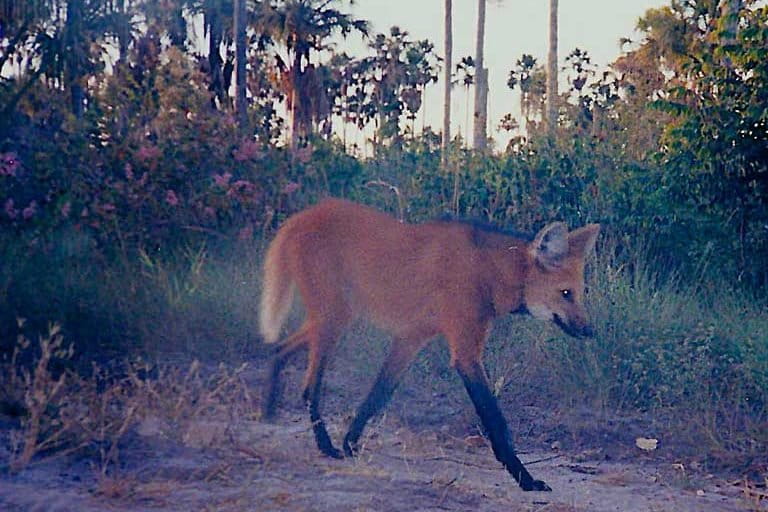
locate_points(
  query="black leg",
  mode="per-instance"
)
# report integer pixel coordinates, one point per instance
(375, 401)
(496, 427)
(312, 399)
(273, 388)
(400, 356)
(286, 349)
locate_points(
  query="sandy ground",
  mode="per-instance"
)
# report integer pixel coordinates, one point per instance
(408, 462)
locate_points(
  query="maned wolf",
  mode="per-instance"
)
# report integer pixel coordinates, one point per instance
(415, 281)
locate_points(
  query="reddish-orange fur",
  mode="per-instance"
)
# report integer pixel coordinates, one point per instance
(415, 281)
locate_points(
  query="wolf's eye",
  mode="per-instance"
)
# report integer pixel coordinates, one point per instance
(567, 295)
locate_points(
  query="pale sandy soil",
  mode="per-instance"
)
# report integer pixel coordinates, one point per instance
(410, 461)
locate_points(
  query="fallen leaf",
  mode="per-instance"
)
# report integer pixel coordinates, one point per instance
(646, 444)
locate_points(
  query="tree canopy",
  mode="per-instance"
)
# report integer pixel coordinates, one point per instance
(117, 110)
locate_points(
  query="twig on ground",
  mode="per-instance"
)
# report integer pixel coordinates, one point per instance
(545, 459)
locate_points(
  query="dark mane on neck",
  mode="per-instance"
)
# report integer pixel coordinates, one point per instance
(487, 235)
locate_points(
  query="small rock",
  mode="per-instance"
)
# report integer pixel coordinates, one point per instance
(646, 444)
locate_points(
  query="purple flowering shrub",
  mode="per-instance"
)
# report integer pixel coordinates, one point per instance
(152, 163)
(17, 209)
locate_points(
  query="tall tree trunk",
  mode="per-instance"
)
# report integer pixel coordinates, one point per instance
(213, 22)
(552, 71)
(75, 56)
(177, 28)
(447, 79)
(241, 107)
(123, 36)
(297, 107)
(481, 83)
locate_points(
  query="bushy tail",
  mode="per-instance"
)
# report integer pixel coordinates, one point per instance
(277, 292)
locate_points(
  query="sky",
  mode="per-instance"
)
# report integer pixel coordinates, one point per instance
(513, 27)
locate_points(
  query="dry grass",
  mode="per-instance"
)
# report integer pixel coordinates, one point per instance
(43, 397)
(755, 493)
(66, 413)
(646, 330)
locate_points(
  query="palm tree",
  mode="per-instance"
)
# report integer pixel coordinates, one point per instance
(166, 18)
(304, 27)
(75, 54)
(552, 70)
(481, 83)
(20, 24)
(399, 71)
(466, 67)
(60, 47)
(447, 79)
(239, 31)
(353, 91)
(213, 14)
(420, 66)
(388, 74)
(528, 75)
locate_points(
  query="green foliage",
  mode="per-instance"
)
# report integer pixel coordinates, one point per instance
(665, 345)
(714, 154)
(138, 223)
(695, 361)
(390, 84)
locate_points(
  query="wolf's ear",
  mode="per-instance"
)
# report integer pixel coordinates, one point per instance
(550, 245)
(582, 241)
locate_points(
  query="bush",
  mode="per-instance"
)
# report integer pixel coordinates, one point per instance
(672, 350)
(63, 412)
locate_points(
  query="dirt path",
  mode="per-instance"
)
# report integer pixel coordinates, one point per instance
(275, 467)
(421, 456)
(400, 470)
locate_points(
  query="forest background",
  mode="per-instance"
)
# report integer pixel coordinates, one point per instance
(143, 170)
